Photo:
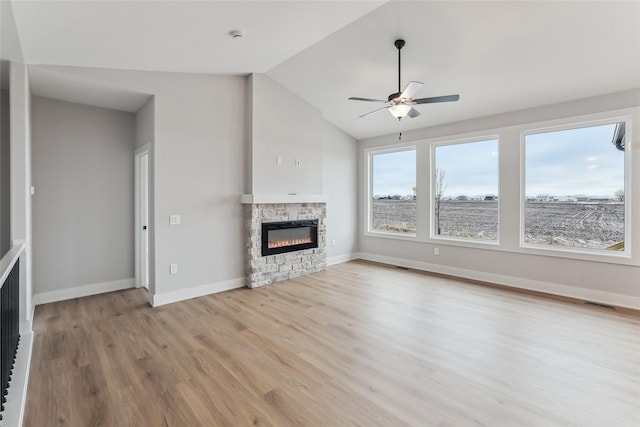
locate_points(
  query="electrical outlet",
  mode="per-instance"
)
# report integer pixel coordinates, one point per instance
(173, 268)
(436, 251)
(333, 242)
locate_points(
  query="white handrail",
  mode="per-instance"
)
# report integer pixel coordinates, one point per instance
(9, 260)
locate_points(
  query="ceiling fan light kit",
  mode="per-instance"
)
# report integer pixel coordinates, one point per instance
(400, 104)
(399, 110)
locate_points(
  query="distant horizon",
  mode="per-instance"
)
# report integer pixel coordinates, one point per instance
(589, 196)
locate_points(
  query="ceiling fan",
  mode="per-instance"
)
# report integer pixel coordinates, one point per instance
(400, 104)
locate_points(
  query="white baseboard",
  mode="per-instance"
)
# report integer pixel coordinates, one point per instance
(340, 259)
(17, 393)
(82, 291)
(196, 291)
(593, 295)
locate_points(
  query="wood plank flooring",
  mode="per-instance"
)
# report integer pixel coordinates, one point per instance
(358, 345)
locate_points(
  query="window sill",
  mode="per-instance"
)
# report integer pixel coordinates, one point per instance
(621, 258)
(391, 235)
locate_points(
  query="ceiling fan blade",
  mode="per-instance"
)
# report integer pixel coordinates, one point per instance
(432, 100)
(354, 98)
(374, 111)
(413, 113)
(411, 89)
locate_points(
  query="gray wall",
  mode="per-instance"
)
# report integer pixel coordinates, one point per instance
(200, 167)
(5, 224)
(614, 281)
(198, 171)
(144, 124)
(340, 185)
(82, 160)
(284, 125)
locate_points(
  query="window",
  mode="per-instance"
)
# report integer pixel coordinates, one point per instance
(575, 187)
(393, 192)
(465, 190)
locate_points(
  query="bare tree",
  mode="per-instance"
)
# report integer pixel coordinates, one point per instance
(440, 187)
(619, 195)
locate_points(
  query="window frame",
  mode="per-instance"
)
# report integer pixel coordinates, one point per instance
(432, 170)
(571, 252)
(511, 192)
(369, 153)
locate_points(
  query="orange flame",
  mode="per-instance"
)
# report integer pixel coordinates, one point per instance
(292, 242)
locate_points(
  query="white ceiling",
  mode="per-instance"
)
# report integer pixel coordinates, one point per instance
(183, 36)
(499, 56)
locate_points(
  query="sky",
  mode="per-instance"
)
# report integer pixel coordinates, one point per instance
(561, 163)
(574, 162)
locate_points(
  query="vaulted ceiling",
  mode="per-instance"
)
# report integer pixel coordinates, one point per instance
(499, 56)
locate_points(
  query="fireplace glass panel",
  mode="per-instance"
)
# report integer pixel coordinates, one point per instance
(289, 236)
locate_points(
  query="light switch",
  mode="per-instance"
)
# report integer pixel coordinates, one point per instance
(278, 160)
(174, 219)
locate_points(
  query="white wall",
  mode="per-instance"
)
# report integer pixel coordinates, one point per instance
(284, 125)
(609, 282)
(20, 180)
(340, 178)
(5, 223)
(82, 160)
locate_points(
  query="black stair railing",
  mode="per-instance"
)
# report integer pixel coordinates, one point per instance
(9, 327)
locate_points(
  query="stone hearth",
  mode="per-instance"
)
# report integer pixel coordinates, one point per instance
(263, 270)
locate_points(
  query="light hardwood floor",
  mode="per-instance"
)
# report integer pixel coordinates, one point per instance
(360, 344)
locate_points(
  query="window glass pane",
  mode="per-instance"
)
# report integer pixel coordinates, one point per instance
(393, 204)
(465, 190)
(574, 188)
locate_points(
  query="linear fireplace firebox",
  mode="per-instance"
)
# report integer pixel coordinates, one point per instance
(289, 236)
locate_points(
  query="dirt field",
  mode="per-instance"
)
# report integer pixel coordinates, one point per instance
(581, 225)
(394, 215)
(578, 225)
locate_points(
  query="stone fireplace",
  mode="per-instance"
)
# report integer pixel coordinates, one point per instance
(286, 237)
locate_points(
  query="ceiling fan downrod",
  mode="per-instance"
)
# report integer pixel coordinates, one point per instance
(399, 45)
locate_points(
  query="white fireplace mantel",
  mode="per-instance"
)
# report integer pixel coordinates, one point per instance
(255, 199)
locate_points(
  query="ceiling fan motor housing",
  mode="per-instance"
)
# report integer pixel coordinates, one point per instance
(394, 96)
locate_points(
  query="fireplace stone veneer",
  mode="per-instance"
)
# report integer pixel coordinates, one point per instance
(263, 270)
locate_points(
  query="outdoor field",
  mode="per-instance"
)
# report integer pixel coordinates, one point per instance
(569, 224)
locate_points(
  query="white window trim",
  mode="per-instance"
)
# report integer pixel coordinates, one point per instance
(569, 252)
(432, 170)
(509, 238)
